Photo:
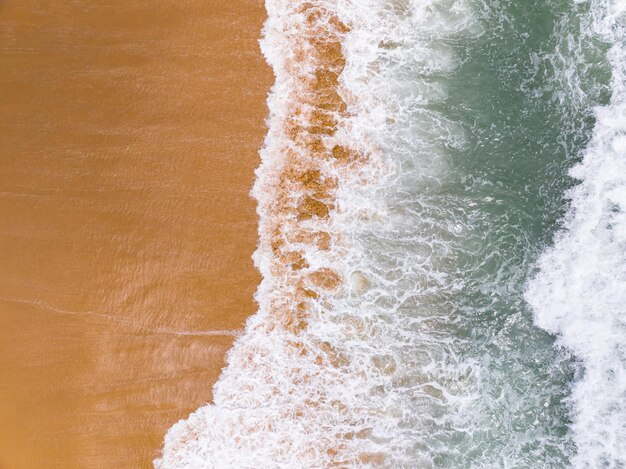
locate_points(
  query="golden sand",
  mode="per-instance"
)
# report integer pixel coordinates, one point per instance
(128, 140)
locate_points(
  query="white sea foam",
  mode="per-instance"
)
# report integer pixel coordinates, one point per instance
(580, 290)
(368, 371)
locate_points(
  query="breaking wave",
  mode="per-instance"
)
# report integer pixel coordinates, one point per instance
(580, 290)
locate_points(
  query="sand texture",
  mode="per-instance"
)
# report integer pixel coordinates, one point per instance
(129, 135)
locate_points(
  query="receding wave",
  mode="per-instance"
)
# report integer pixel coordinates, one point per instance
(331, 371)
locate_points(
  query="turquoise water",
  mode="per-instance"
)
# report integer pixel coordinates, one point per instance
(517, 110)
(524, 95)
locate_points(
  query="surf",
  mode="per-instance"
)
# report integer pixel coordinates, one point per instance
(579, 291)
(325, 373)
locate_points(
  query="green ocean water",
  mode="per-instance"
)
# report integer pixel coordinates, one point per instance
(523, 95)
(484, 132)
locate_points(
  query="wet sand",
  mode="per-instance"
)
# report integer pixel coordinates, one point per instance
(128, 139)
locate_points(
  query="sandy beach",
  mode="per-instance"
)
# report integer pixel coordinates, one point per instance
(129, 134)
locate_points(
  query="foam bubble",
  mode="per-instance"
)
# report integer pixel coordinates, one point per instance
(343, 365)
